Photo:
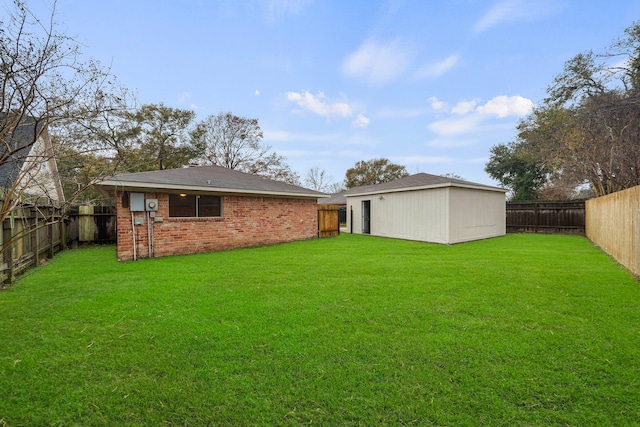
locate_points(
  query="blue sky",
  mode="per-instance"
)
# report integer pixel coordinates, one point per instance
(431, 85)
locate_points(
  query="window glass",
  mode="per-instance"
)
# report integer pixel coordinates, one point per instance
(209, 206)
(190, 205)
(182, 205)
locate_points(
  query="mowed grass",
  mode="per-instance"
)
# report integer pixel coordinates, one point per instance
(523, 330)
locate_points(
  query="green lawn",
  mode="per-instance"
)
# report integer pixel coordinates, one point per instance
(523, 330)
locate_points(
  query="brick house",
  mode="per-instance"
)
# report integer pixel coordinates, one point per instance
(207, 208)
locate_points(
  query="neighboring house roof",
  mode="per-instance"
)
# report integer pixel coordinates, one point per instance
(15, 150)
(419, 181)
(207, 179)
(27, 162)
(334, 199)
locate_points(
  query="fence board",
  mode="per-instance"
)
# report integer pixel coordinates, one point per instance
(613, 223)
(328, 220)
(86, 224)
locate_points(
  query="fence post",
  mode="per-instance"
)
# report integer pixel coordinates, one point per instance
(62, 234)
(35, 242)
(7, 245)
(50, 235)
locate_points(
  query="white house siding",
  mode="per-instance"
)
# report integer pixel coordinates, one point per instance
(36, 177)
(476, 214)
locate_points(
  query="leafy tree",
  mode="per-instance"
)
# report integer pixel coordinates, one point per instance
(235, 143)
(603, 102)
(586, 130)
(79, 171)
(515, 170)
(163, 138)
(375, 171)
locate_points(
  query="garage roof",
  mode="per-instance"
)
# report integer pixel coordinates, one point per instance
(419, 181)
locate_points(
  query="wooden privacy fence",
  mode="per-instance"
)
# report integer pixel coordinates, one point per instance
(613, 223)
(546, 217)
(30, 235)
(328, 220)
(96, 224)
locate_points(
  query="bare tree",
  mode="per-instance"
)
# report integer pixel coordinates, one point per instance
(236, 143)
(44, 84)
(317, 179)
(96, 143)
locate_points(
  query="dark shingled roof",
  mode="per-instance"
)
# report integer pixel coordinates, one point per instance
(334, 199)
(417, 181)
(207, 179)
(15, 149)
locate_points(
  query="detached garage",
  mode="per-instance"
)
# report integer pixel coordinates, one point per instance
(428, 208)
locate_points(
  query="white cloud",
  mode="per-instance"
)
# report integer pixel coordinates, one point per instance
(505, 106)
(377, 63)
(436, 104)
(467, 117)
(257, 92)
(514, 10)
(320, 105)
(439, 68)
(456, 126)
(464, 107)
(361, 121)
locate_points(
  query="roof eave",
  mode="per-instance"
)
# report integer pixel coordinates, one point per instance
(148, 186)
(428, 187)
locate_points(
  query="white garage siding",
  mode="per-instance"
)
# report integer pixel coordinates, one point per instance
(411, 215)
(445, 214)
(476, 214)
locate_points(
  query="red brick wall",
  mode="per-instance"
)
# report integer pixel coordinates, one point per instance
(247, 221)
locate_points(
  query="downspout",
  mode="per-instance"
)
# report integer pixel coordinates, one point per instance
(133, 233)
(148, 235)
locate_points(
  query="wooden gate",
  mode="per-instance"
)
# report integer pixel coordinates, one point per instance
(328, 220)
